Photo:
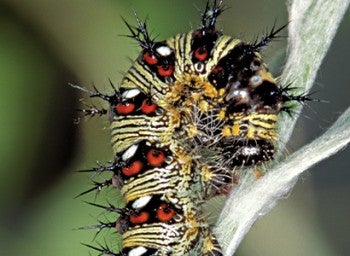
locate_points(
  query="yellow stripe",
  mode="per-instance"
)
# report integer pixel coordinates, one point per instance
(256, 126)
(152, 182)
(222, 47)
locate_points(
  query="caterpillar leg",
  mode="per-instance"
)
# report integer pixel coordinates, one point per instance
(211, 246)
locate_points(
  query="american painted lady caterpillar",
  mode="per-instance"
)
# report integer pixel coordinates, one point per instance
(189, 113)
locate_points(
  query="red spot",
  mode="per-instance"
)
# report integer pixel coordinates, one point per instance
(155, 157)
(165, 213)
(148, 107)
(165, 70)
(217, 69)
(139, 217)
(149, 58)
(198, 33)
(132, 169)
(125, 108)
(201, 54)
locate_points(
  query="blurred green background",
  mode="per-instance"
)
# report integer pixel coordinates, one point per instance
(44, 44)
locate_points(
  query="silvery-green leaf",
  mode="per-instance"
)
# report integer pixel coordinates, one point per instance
(312, 27)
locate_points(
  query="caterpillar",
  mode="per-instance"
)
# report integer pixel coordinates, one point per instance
(190, 112)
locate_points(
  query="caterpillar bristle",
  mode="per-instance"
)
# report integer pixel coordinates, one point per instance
(104, 250)
(99, 227)
(100, 169)
(109, 208)
(272, 35)
(98, 186)
(140, 33)
(92, 111)
(210, 14)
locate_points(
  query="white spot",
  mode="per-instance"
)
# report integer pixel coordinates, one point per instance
(240, 95)
(164, 51)
(130, 93)
(178, 218)
(130, 152)
(255, 80)
(138, 251)
(249, 151)
(199, 67)
(232, 91)
(141, 202)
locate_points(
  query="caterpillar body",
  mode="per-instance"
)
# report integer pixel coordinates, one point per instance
(190, 112)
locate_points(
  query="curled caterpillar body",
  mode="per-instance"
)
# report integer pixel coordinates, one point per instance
(189, 113)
